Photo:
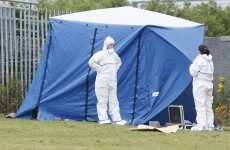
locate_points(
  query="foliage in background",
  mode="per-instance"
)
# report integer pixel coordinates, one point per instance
(216, 19)
(168, 7)
(11, 96)
(80, 5)
(222, 104)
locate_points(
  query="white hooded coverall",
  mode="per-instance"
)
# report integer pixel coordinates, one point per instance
(202, 72)
(106, 65)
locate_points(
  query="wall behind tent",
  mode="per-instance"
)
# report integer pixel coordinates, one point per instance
(22, 38)
(220, 50)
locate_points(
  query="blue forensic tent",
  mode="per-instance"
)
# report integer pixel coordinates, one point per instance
(156, 51)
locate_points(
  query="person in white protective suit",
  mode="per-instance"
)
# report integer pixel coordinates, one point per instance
(202, 72)
(106, 63)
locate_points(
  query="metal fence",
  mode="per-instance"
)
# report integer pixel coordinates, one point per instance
(22, 37)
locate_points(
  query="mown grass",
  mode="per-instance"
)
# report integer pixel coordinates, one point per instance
(27, 134)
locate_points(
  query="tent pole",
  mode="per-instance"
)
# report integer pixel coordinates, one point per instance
(87, 77)
(136, 82)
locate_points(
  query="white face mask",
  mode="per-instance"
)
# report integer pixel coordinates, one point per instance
(110, 51)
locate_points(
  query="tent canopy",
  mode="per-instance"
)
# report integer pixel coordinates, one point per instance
(156, 51)
(127, 16)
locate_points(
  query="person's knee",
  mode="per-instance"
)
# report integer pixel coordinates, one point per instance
(113, 101)
(102, 103)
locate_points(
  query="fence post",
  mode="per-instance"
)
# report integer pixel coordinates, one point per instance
(21, 52)
(2, 47)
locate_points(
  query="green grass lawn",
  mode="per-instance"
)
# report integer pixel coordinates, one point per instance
(27, 134)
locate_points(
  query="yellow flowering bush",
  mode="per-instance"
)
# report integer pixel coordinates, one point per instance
(222, 79)
(222, 104)
(220, 87)
(221, 84)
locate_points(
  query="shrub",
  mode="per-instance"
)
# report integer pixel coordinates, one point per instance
(222, 104)
(11, 96)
